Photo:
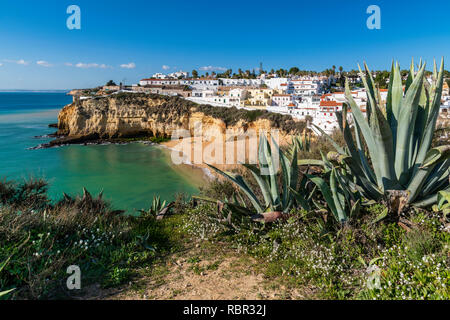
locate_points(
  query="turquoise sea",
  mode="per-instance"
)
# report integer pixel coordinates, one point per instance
(129, 174)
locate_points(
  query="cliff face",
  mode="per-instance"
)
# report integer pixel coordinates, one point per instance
(116, 117)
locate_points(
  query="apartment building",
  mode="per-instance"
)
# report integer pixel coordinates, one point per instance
(307, 86)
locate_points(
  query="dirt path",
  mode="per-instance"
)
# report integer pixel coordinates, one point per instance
(202, 274)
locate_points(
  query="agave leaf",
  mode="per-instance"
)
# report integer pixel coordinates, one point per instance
(265, 189)
(300, 199)
(394, 99)
(419, 127)
(290, 174)
(443, 196)
(362, 155)
(407, 118)
(345, 128)
(286, 177)
(240, 182)
(327, 165)
(204, 198)
(4, 293)
(364, 128)
(335, 145)
(431, 120)
(438, 178)
(241, 200)
(293, 170)
(381, 216)
(268, 159)
(366, 77)
(326, 192)
(434, 156)
(356, 209)
(428, 201)
(346, 185)
(411, 76)
(86, 195)
(338, 198)
(3, 265)
(383, 140)
(310, 162)
(235, 208)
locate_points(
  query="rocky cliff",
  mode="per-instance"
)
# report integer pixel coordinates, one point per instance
(132, 115)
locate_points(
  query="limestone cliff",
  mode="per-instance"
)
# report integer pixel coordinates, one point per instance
(130, 115)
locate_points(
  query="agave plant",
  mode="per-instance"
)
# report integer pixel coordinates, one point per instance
(266, 176)
(303, 143)
(2, 266)
(341, 196)
(342, 202)
(156, 207)
(443, 203)
(400, 166)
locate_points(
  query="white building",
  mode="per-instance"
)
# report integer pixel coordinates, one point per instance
(201, 83)
(241, 82)
(179, 75)
(307, 86)
(282, 100)
(275, 83)
(306, 106)
(159, 76)
(159, 82)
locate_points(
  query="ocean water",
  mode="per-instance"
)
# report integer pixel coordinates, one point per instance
(128, 174)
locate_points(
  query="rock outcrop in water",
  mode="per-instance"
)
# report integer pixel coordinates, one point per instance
(134, 115)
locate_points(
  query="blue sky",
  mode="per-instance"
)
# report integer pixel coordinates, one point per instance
(193, 34)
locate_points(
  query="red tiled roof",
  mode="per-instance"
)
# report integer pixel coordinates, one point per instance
(331, 103)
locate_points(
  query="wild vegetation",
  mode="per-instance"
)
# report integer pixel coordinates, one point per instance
(329, 238)
(398, 137)
(40, 239)
(369, 220)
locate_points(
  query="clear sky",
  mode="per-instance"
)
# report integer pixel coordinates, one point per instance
(129, 40)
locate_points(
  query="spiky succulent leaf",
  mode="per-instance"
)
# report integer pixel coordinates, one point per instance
(242, 184)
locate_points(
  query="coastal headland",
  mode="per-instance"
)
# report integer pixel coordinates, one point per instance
(130, 117)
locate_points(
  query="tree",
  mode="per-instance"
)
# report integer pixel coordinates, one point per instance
(111, 83)
(294, 70)
(381, 79)
(194, 74)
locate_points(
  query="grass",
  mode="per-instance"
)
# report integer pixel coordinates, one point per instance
(335, 263)
(40, 239)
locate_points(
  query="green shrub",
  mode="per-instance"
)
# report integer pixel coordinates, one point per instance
(39, 244)
(337, 263)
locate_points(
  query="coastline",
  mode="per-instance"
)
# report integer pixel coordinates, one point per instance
(171, 146)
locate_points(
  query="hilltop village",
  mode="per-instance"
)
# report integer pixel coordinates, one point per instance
(314, 97)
